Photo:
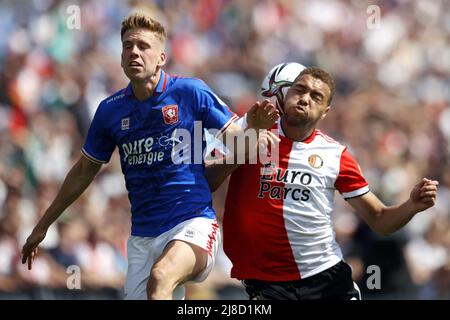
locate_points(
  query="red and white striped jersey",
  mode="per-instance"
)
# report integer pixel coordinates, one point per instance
(277, 224)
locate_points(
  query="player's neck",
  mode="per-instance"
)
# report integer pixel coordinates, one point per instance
(143, 90)
(297, 133)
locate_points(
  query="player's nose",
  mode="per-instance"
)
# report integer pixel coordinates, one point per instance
(303, 101)
(134, 51)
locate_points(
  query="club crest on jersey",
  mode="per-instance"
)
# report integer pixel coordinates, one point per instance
(125, 124)
(315, 161)
(170, 114)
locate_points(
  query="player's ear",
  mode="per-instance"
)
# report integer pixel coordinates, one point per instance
(325, 112)
(123, 57)
(162, 59)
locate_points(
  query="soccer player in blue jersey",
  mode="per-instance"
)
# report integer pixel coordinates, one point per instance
(174, 234)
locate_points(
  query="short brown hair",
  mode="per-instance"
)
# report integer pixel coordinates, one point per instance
(321, 75)
(141, 21)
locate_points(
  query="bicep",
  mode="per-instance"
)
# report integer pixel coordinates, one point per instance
(99, 144)
(228, 136)
(87, 167)
(367, 206)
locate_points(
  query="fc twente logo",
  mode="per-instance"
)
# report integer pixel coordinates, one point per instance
(170, 114)
(315, 161)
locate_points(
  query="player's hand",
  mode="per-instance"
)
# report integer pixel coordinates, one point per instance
(30, 248)
(266, 139)
(262, 115)
(423, 195)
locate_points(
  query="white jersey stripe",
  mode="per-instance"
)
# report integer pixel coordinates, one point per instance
(92, 158)
(356, 193)
(308, 217)
(357, 289)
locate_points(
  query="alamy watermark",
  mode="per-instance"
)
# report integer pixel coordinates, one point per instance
(374, 280)
(73, 281)
(374, 19)
(73, 20)
(187, 146)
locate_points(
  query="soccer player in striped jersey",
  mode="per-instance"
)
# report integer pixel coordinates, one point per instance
(278, 233)
(174, 234)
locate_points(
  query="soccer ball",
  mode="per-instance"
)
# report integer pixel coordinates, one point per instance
(279, 79)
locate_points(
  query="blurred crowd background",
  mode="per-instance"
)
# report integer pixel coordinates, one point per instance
(391, 108)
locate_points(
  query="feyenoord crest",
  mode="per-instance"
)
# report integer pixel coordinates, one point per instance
(315, 161)
(170, 114)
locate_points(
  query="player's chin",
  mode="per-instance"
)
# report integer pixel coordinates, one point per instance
(134, 70)
(296, 118)
(135, 75)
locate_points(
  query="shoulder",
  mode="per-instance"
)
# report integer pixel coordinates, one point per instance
(189, 84)
(114, 99)
(332, 146)
(325, 139)
(109, 106)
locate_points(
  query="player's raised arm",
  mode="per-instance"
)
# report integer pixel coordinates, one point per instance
(76, 181)
(262, 115)
(385, 220)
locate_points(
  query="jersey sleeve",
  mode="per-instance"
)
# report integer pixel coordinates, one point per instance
(242, 122)
(214, 113)
(216, 145)
(350, 182)
(99, 144)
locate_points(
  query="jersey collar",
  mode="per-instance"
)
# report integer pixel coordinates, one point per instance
(307, 140)
(160, 87)
(162, 83)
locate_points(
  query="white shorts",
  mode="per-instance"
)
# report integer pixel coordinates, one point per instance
(144, 251)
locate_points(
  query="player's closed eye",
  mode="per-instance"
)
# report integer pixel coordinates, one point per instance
(317, 97)
(300, 89)
(127, 45)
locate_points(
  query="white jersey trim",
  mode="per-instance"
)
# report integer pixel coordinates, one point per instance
(280, 129)
(226, 125)
(357, 289)
(356, 193)
(213, 141)
(242, 122)
(92, 158)
(333, 261)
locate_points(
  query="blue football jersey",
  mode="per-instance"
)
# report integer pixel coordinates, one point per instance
(159, 142)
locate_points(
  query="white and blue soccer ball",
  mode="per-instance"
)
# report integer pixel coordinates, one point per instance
(279, 79)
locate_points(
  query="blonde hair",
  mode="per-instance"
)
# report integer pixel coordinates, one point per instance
(141, 21)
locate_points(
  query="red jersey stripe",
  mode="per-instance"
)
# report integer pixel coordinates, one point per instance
(265, 252)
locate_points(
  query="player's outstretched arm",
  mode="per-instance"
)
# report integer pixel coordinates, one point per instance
(76, 181)
(261, 116)
(386, 220)
(217, 170)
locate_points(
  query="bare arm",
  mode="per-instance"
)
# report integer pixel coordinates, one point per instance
(217, 171)
(76, 181)
(386, 220)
